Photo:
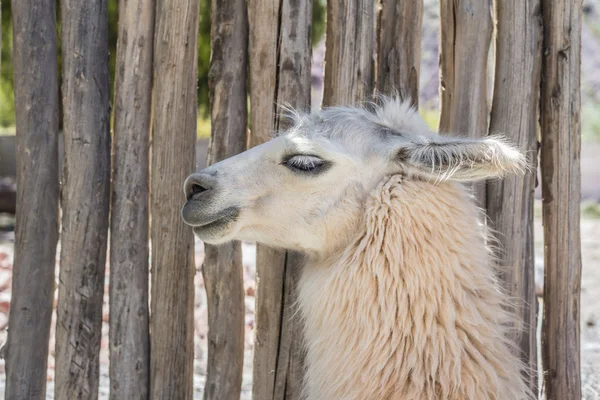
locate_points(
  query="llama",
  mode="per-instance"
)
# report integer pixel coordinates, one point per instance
(398, 295)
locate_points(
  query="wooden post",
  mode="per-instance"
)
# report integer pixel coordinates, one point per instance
(399, 48)
(222, 269)
(350, 52)
(263, 16)
(85, 197)
(561, 192)
(510, 200)
(466, 30)
(36, 104)
(172, 160)
(129, 329)
(279, 76)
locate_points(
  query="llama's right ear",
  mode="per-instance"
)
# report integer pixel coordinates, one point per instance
(461, 159)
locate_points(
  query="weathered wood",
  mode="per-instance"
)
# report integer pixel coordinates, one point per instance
(36, 106)
(279, 76)
(465, 30)
(289, 374)
(561, 192)
(350, 52)
(399, 48)
(222, 269)
(85, 197)
(223, 279)
(263, 17)
(172, 160)
(129, 316)
(510, 200)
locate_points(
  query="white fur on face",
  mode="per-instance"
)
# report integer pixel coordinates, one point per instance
(265, 199)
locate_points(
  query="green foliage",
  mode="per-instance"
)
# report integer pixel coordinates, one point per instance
(431, 117)
(7, 103)
(590, 122)
(590, 209)
(318, 21)
(203, 58)
(113, 30)
(7, 109)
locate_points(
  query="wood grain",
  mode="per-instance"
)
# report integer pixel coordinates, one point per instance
(561, 193)
(510, 200)
(263, 17)
(278, 76)
(172, 160)
(36, 228)
(466, 30)
(222, 269)
(85, 197)
(129, 339)
(350, 52)
(399, 49)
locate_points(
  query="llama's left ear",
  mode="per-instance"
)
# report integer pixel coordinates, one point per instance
(446, 158)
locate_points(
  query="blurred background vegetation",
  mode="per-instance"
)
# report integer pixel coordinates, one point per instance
(7, 106)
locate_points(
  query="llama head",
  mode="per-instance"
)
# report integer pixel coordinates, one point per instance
(304, 189)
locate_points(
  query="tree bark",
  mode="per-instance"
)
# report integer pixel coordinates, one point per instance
(172, 160)
(465, 30)
(510, 200)
(222, 269)
(399, 49)
(279, 76)
(36, 104)
(350, 52)
(561, 192)
(129, 316)
(85, 197)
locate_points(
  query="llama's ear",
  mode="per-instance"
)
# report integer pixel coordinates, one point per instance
(446, 158)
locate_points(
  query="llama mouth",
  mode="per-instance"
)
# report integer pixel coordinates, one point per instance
(214, 224)
(198, 213)
(208, 226)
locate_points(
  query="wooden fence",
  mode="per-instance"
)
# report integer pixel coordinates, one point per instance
(370, 48)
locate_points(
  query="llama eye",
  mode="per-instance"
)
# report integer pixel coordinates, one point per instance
(303, 163)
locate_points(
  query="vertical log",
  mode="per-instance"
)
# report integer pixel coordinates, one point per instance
(85, 197)
(172, 160)
(466, 30)
(561, 192)
(222, 269)
(129, 329)
(294, 89)
(278, 75)
(350, 52)
(36, 104)
(510, 201)
(263, 18)
(399, 48)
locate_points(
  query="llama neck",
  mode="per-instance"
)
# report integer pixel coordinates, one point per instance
(410, 308)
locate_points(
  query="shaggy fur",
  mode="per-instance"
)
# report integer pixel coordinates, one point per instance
(399, 297)
(410, 309)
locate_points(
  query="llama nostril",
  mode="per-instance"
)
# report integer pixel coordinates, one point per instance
(197, 189)
(196, 184)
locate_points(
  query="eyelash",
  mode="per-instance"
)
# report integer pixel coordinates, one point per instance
(304, 163)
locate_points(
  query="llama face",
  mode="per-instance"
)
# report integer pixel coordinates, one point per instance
(304, 189)
(286, 193)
